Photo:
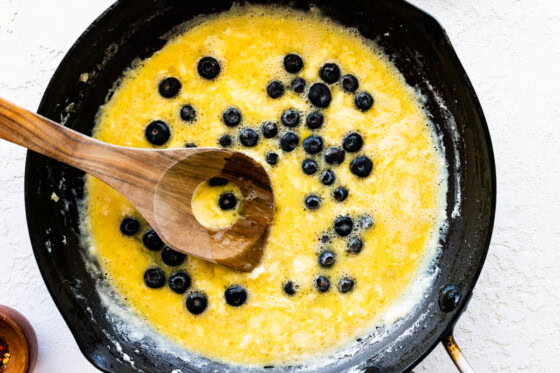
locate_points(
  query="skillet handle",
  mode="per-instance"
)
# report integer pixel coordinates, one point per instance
(455, 353)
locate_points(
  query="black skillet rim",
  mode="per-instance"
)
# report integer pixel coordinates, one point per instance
(35, 237)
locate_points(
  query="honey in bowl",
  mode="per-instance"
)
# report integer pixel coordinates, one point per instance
(357, 174)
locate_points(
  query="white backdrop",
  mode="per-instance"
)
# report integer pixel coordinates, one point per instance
(511, 51)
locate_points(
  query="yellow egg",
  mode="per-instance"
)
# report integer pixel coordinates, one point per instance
(404, 193)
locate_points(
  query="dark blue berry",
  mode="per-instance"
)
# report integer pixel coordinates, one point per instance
(196, 302)
(157, 132)
(309, 166)
(312, 202)
(290, 118)
(328, 177)
(361, 166)
(226, 141)
(322, 284)
(320, 95)
(349, 83)
(187, 113)
(363, 101)
(352, 142)
(190, 145)
(269, 129)
(334, 156)
(327, 259)
(313, 144)
(449, 298)
(129, 226)
(248, 137)
(171, 257)
(365, 222)
(293, 63)
(345, 284)
(272, 158)
(289, 288)
(227, 201)
(340, 194)
(152, 241)
(235, 295)
(343, 225)
(231, 117)
(169, 87)
(314, 120)
(154, 278)
(298, 85)
(275, 89)
(217, 181)
(289, 141)
(179, 282)
(354, 245)
(330, 72)
(208, 67)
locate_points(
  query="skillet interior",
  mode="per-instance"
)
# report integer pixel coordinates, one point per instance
(420, 50)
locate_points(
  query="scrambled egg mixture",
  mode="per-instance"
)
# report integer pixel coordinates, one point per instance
(356, 207)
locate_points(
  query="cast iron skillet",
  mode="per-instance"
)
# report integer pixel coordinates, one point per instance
(130, 29)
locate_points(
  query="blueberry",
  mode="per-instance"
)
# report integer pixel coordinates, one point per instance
(152, 241)
(365, 222)
(227, 201)
(312, 202)
(169, 87)
(179, 282)
(343, 225)
(269, 129)
(320, 95)
(187, 113)
(293, 63)
(248, 137)
(340, 194)
(190, 145)
(226, 141)
(217, 181)
(272, 158)
(354, 245)
(154, 278)
(290, 118)
(313, 144)
(334, 156)
(363, 101)
(157, 132)
(171, 257)
(327, 259)
(275, 89)
(289, 141)
(231, 117)
(298, 85)
(345, 284)
(322, 284)
(329, 72)
(328, 177)
(352, 142)
(314, 120)
(309, 166)
(361, 166)
(208, 67)
(235, 295)
(349, 83)
(197, 302)
(129, 226)
(290, 288)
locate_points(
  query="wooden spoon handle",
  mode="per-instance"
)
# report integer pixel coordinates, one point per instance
(119, 167)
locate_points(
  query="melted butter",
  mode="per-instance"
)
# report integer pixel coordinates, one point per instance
(405, 192)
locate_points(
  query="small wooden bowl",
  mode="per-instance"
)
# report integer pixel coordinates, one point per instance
(21, 340)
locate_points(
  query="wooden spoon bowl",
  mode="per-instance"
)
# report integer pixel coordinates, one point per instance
(21, 340)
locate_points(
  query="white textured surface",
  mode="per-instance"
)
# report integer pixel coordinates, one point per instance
(511, 51)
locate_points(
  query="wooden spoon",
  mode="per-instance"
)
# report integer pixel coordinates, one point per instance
(160, 184)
